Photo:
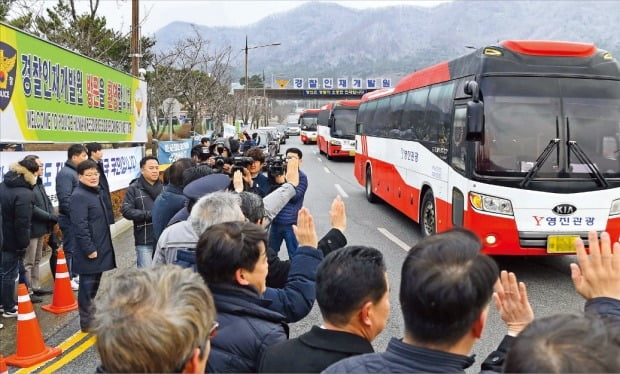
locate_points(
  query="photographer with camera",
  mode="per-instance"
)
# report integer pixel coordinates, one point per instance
(282, 224)
(260, 182)
(200, 154)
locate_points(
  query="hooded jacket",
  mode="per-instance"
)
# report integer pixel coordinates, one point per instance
(17, 199)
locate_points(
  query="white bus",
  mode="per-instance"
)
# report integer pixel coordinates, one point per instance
(518, 142)
(336, 128)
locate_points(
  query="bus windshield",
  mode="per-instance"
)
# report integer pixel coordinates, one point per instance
(308, 122)
(524, 114)
(345, 123)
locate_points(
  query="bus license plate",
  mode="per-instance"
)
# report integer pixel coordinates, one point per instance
(561, 243)
(351, 153)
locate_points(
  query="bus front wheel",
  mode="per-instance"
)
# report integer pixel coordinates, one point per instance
(428, 216)
(370, 196)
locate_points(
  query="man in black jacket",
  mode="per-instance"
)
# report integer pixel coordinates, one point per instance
(95, 153)
(138, 205)
(91, 224)
(16, 198)
(446, 286)
(43, 220)
(353, 295)
(66, 182)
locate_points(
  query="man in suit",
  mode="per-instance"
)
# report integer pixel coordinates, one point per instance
(353, 296)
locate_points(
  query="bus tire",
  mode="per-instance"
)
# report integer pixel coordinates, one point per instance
(370, 196)
(428, 215)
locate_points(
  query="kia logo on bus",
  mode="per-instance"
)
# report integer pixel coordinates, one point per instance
(564, 209)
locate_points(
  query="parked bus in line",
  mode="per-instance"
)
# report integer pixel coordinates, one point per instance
(518, 142)
(307, 122)
(336, 128)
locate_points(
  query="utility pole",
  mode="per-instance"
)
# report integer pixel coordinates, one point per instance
(247, 115)
(135, 38)
(245, 120)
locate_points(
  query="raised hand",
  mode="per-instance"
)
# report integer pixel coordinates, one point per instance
(338, 214)
(597, 275)
(512, 303)
(304, 230)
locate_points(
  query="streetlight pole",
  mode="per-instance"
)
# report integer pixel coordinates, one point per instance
(247, 115)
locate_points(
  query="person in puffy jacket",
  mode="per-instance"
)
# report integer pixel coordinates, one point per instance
(232, 259)
(16, 199)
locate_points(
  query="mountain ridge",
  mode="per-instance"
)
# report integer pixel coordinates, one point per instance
(326, 39)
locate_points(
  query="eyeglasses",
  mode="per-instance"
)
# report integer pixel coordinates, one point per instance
(211, 335)
(91, 175)
(213, 330)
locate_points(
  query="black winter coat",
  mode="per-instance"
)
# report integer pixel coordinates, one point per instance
(92, 231)
(105, 191)
(66, 182)
(246, 328)
(17, 199)
(313, 351)
(137, 207)
(43, 215)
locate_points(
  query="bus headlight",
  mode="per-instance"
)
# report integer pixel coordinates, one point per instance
(615, 208)
(490, 204)
(335, 142)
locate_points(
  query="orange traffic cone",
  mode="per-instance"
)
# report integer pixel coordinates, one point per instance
(3, 369)
(31, 348)
(63, 300)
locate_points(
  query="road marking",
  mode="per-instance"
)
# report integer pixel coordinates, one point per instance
(72, 340)
(341, 190)
(393, 238)
(318, 158)
(70, 356)
(326, 170)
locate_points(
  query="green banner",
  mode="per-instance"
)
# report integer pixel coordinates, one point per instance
(50, 94)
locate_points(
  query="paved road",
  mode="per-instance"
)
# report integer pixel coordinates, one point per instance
(377, 225)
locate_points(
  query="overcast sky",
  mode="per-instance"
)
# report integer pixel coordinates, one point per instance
(158, 13)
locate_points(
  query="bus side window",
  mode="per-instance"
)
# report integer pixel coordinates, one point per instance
(380, 120)
(396, 112)
(413, 115)
(361, 118)
(368, 118)
(439, 112)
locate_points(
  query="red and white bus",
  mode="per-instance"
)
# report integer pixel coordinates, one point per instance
(307, 122)
(518, 142)
(336, 128)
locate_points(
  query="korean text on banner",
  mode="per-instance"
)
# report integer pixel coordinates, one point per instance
(120, 165)
(51, 94)
(169, 152)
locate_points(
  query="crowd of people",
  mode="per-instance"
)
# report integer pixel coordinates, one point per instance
(210, 292)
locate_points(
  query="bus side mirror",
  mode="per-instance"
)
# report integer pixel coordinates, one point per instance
(475, 120)
(471, 88)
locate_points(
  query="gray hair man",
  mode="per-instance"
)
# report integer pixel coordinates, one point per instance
(157, 320)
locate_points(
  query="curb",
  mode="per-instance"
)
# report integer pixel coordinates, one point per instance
(116, 229)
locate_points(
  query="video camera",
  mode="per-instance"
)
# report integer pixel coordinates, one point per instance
(275, 165)
(237, 162)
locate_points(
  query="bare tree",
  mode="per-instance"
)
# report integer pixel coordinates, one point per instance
(194, 74)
